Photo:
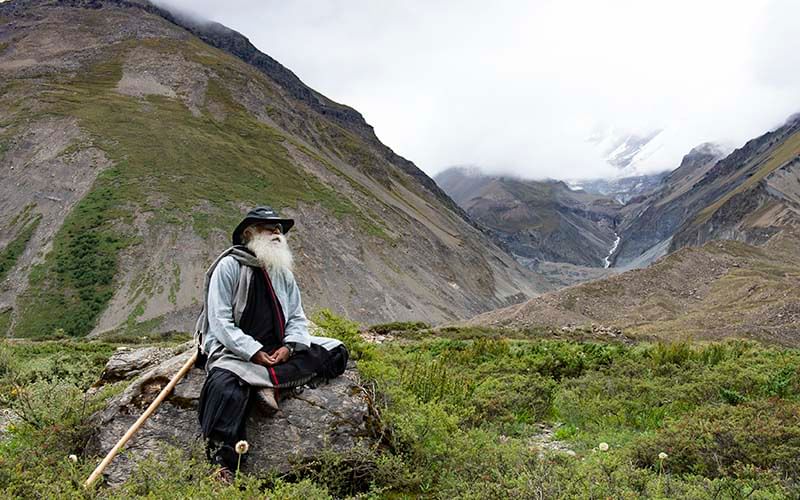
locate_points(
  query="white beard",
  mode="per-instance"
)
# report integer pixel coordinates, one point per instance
(272, 251)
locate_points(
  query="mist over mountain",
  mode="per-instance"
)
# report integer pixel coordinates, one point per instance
(729, 76)
(631, 222)
(622, 189)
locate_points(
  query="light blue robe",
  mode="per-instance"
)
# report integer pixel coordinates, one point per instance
(225, 344)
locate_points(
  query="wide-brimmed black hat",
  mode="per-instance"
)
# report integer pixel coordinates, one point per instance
(261, 214)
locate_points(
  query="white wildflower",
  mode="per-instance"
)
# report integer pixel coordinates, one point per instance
(73, 458)
(662, 456)
(603, 446)
(242, 447)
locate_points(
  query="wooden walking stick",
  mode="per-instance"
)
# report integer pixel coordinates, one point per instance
(135, 427)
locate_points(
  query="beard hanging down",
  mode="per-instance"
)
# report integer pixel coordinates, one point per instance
(272, 251)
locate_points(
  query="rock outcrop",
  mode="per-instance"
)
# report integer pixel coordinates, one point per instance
(537, 220)
(744, 195)
(331, 416)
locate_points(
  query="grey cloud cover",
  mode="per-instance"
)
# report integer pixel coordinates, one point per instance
(519, 87)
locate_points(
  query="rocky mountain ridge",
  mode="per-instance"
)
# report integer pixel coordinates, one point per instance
(537, 220)
(711, 254)
(130, 148)
(713, 196)
(749, 194)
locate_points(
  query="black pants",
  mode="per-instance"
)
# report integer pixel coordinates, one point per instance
(225, 400)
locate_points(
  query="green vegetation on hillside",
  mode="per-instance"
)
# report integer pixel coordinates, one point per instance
(5, 321)
(463, 415)
(170, 168)
(72, 287)
(12, 251)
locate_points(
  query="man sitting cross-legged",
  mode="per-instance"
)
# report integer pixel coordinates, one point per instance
(254, 334)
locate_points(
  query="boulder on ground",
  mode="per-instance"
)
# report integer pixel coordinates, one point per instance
(331, 416)
(127, 363)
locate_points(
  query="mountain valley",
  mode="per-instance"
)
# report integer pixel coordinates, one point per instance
(558, 232)
(626, 337)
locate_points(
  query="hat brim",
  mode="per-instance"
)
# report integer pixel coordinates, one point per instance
(286, 224)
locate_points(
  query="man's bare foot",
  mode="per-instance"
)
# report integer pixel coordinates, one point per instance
(266, 401)
(224, 475)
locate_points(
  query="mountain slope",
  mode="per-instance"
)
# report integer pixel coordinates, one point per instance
(544, 221)
(761, 192)
(748, 195)
(722, 289)
(134, 146)
(700, 282)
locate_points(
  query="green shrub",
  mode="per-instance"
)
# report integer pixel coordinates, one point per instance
(731, 396)
(713, 354)
(781, 382)
(399, 326)
(174, 473)
(663, 354)
(12, 251)
(77, 363)
(559, 360)
(612, 475)
(483, 464)
(52, 425)
(44, 404)
(514, 398)
(676, 353)
(345, 330)
(435, 380)
(7, 362)
(359, 470)
(642, 387)
(718, 440)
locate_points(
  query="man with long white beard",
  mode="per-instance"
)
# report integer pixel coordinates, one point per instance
(253, 335)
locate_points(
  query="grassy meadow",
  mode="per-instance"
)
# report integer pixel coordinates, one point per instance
(463, 413)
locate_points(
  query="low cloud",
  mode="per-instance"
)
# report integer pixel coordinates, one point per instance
(522, 87)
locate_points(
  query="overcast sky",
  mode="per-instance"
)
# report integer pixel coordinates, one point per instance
(520, 86)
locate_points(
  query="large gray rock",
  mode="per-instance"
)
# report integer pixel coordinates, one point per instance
(127, 363)
(332, 416)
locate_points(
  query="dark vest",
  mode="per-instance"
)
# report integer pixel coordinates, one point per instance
(262, 317)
